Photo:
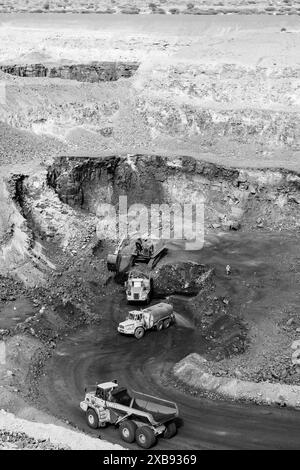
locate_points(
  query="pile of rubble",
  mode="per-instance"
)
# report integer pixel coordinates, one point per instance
(10, 440)
(185, 278)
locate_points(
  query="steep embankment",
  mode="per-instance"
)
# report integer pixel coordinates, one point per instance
(193, 372)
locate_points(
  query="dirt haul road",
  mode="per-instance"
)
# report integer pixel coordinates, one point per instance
(90, 354)
(94, 354)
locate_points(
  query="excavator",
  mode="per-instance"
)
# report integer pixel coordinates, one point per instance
(137, 257)
(130, 252)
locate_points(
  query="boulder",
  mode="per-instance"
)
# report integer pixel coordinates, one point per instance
(186, 278)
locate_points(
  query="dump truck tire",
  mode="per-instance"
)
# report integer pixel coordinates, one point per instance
(170, 431)
(92, 418)
(159, 326)
(127, 430)
(139, 333)
(145, 437)
(167, 323)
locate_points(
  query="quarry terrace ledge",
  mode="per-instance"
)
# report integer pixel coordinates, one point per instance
(91, 72)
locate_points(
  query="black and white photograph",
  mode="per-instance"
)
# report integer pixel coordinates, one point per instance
(149, 228)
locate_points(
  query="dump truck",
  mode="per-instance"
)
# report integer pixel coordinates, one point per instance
(156, 317)
(138, 286)
(139, 417)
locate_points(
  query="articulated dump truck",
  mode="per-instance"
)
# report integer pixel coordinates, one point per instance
(139, 417)
(156, 317)
(139, 286)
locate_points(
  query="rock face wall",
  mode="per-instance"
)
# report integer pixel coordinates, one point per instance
(197, 7)
(95, 72)
(268, 198)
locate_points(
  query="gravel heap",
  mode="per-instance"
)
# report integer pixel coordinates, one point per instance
(19, 440)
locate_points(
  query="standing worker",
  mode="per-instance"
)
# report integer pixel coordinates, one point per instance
(228, 269)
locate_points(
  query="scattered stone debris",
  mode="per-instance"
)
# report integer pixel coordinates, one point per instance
(10, 440)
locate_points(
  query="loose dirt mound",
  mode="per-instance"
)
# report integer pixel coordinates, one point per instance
(186, 278)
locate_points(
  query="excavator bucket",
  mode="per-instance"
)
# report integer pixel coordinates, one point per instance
(113, 262)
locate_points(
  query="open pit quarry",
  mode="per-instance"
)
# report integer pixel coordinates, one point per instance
(163, 109)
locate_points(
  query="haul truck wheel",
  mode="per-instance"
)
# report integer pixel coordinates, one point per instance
(127, 430)
(159, 326)
(92, 418)
(167, 323)
(139, 332)
(145, 437)
(170, 431)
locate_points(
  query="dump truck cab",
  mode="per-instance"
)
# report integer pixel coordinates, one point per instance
(139, 416)
(134, 320)
(105, 390)
(138, 286)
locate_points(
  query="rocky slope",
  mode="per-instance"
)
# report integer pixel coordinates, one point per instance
(230, 112)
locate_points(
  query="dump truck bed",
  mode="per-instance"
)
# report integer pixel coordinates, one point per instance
(161, 410)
